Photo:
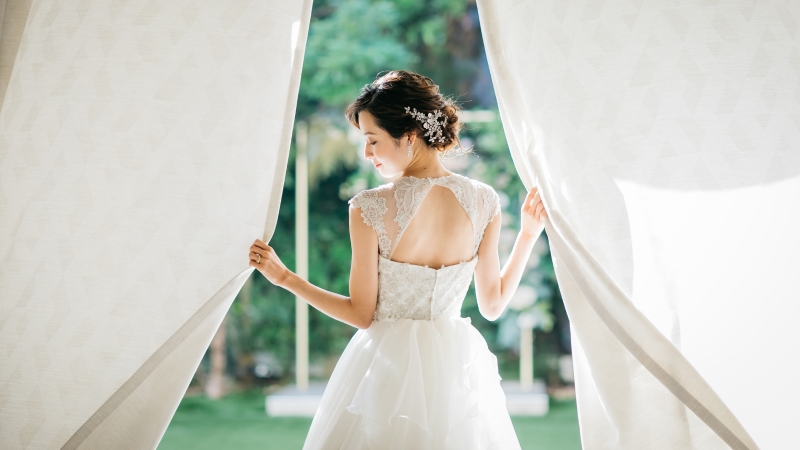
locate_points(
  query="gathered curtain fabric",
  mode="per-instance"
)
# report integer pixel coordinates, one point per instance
(143, 147)
(664, 137)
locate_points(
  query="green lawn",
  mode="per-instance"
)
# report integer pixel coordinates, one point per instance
(239, 422)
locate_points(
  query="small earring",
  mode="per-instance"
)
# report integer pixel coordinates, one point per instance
(409, 148)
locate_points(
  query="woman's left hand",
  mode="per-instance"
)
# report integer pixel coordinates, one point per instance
(533, 213)
(264, 258)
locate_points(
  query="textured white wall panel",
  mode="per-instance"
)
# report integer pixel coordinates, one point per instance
(143, 146)
(665, 138)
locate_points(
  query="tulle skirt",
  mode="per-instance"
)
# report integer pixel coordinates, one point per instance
(414, 384)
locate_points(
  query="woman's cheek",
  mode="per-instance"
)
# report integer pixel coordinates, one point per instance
(390, 156)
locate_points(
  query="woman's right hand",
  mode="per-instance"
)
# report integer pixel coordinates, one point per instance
(264, 258)
(532, 213)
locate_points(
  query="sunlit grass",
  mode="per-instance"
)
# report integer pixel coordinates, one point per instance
(239, 422)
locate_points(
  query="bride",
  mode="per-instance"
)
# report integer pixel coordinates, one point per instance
(415, 375)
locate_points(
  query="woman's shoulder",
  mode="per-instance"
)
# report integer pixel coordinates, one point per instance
(482, 187)
(490, 197)
(370, 197)
(377, 195)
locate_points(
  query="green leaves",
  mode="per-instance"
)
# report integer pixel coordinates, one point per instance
(351, 41)
(349, 47)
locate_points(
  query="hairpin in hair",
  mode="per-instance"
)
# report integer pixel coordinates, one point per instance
(431, 123)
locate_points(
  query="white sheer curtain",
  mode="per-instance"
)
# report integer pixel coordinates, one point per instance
(143, 146)
(664, 136)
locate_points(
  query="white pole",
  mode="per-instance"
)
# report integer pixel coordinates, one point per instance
(526, 358)
(301, 249)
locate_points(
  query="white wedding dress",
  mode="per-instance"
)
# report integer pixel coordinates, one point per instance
(421, 376)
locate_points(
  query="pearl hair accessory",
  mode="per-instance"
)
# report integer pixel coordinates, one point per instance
(431, 123)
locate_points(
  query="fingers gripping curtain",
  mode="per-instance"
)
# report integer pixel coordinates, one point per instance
(143, 146)
(664, 139)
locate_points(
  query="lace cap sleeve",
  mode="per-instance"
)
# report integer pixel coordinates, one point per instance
(373, 207)
(491, 201)
(359, 200)
(490, 207)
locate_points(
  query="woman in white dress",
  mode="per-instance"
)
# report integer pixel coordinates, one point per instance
(415, 375)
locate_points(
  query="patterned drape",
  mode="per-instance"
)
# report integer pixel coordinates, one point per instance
(143, 146)
(664, 137)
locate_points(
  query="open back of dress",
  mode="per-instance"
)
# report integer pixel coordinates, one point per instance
(393, 210)
(446, 233)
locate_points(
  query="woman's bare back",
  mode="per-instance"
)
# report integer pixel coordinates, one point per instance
(439, 234)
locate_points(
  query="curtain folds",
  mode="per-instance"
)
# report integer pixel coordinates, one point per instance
(664, 140)
(143, 147)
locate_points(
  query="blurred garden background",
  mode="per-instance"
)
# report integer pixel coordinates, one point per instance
(253, 354)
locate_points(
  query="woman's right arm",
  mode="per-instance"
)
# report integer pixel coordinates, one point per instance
(357, 309)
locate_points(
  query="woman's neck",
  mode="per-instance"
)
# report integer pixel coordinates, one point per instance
(426, 164)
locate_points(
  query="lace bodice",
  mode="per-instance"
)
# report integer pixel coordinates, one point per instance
(413, 291)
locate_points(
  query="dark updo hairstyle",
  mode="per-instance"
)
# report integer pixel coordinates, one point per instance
(386, 100)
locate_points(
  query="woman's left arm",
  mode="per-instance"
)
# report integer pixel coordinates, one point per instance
(356, 310)
(495, 287)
